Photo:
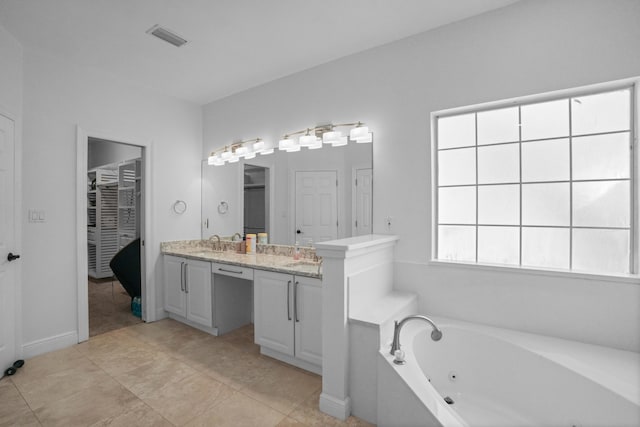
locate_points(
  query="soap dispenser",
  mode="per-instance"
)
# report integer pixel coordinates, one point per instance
(296, 251)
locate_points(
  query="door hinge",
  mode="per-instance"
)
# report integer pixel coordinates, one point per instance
(143, 243)
(356, 182)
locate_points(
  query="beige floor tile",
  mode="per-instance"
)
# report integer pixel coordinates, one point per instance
(160, 372)
(284, 387)
(290, 422)
(58, 385)
(238, 410)
(87, 407)
(237, 368)
(137, 414)
(38, 366)
(181, 401)
(308, 413)
(14, 411)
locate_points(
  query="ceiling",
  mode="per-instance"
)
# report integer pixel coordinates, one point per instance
(233, 44)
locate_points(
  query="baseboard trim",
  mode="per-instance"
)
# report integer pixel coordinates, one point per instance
(45, 345)
(337, 408)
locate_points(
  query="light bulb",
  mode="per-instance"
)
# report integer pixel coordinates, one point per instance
(359, 132)
(340, 142)
(307, 140)
(331, 137)
(285, 144)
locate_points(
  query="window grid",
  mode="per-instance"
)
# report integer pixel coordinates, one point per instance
(570, 137)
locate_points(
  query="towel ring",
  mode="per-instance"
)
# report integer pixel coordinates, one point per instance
(223, 207)
(179, 207)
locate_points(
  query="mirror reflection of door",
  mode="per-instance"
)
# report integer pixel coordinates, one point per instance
(363, 202)
(256, 199)
(316, 214)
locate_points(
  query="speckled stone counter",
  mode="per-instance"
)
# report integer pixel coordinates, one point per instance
(278, 258)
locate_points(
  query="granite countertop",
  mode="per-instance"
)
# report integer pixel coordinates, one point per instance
(201, 250)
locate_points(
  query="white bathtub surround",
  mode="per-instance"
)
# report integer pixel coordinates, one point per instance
(344, 261)
(502, 377)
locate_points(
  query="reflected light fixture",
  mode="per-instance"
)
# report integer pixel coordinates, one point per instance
(247, 149)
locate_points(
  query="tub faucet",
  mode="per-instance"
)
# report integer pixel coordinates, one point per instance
(436, 334)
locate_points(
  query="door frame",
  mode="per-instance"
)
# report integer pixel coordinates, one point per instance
(17, 215)
(146, 237)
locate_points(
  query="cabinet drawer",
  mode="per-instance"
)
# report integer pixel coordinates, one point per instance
(232, 270)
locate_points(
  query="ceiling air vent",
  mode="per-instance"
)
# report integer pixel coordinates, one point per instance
(166, 35)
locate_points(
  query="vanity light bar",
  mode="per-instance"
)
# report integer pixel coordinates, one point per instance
(311, 138)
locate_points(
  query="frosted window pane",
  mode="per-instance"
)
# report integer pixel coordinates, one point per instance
(601, 204)
(457, 205)
(457, 167)
(498, 126)
(545, 120)
(545, 204)
(545, 247)
(499, 204)
(457, 243)
(545, 160)
(601, 156)
(498, 164)
(604, 112)
(604, 251)
(457, 131)
(498, 245)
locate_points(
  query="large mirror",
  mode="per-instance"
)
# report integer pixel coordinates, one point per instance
(307, 196)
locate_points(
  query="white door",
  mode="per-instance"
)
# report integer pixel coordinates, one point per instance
(8, 287)
(198, 290)
(316, 215)
(364, 197)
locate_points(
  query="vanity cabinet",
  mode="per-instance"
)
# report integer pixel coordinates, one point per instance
(287, 316)
(187, 290)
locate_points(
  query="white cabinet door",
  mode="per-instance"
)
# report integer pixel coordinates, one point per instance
(174, 297)
(198, 292)
(273, 311)
(308, 319)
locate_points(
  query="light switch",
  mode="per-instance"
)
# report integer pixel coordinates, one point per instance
(41, 216)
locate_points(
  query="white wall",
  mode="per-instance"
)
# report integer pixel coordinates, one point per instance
(57, 97)
(105, 152)
(10, 74)
(527, 48)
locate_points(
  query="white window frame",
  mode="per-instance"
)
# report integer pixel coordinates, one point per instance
(634, 179)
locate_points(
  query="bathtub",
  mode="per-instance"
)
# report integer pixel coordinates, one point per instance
(498, 377)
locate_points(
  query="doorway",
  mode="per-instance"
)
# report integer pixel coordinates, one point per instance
(256, 199)
(126, 181)
(316, 206)
(113, 235)
(9, 269)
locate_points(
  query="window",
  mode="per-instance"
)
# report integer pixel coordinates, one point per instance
(538, 184)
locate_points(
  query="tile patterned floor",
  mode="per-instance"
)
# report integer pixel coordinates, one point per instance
(163, 374)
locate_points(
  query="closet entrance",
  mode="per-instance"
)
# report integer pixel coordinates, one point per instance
(114, 206)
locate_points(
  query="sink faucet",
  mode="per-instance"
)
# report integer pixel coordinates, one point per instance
(436, 334)
(216, 246)
(233, 238)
